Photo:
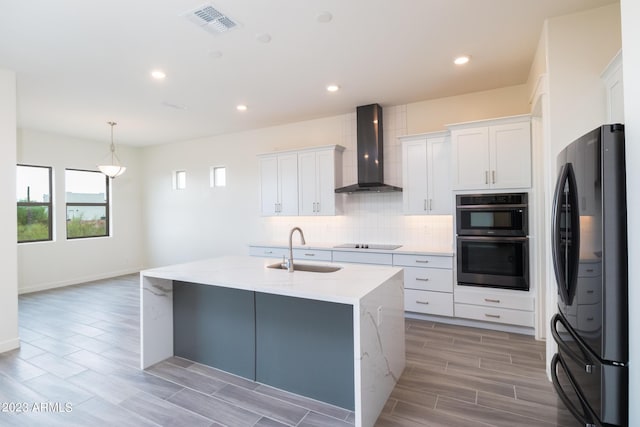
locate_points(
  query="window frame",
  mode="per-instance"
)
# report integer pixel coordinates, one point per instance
(49, 205)
(106, 204)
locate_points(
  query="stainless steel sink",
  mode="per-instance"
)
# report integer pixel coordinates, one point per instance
(314, 268)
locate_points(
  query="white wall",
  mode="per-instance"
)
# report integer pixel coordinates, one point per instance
(579, 48)
(44, 265)
(433, 114)
(8, 231)
(631, 71)
(201, 222)
(572, 53)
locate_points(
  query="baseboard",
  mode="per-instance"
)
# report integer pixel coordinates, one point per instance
(472, 323)
(8, 345)
(76, 281)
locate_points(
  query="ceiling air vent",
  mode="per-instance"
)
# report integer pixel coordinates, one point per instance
(210, 19)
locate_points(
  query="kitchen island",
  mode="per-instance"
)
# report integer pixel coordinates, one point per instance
(336, 337)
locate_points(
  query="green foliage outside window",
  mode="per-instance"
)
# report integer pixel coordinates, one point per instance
(33, 223)
(78, 227)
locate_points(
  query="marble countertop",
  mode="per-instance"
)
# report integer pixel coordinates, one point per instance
(403, 250)
(347, 285)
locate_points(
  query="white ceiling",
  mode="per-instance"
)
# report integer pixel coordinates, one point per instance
(82, 63)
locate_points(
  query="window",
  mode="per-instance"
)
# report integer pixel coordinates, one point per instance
(33, 193)
(87, 195)
(218, 176)
(179, 180)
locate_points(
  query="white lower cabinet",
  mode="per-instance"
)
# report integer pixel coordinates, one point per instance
(311, 254)
(427, 302)
(363, 257)
(496, 307)
(428, 283)
(429, 287)
(497, 315)
(268, 251)
(428, 279)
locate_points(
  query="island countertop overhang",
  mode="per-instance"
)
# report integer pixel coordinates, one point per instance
(347, 285)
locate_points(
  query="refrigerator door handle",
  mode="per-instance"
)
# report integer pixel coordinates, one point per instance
(565, 265)
(584, 361)
(588, 417)
(556, 224)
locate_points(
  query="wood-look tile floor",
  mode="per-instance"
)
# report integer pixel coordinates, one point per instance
(78, 366)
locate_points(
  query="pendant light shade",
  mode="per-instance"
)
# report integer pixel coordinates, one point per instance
(113, 169)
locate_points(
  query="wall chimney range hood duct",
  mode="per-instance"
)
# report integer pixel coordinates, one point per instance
(370, 153)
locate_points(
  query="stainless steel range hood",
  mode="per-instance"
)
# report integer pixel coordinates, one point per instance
(370, 153)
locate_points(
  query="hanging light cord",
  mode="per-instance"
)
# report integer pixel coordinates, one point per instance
(113, 146)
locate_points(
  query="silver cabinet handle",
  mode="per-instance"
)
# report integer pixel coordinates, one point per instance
(486, 177)
(422, 261)
(426, 279)
(314, 206)
(493, 177)
(425, 205)
(589, 319)
(492, 300)
(590, 291)
(268, 252)
(494, 316)
(317, 206)
(430, 208)
(309, 254)
(422, 302)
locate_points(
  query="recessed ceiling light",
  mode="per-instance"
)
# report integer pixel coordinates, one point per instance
(333, 88)
(461, 60)
(158, 74)
(263, 37)
(215, 54)
(174, 106)
(324, 17)
(241, 107)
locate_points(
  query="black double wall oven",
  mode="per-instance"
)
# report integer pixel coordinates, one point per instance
(492, 242)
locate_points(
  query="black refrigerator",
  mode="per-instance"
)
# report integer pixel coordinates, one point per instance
(589, 242)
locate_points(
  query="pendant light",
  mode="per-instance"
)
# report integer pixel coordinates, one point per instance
(115, 168)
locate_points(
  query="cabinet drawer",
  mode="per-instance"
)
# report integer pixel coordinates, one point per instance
(589, 317)
(589, 269)
(431, 261)
(590, 290)
(428, 279)
(268, 252)
(311, 254)
(437, 303)
(497, 315)
(495, 299)
(362, 257)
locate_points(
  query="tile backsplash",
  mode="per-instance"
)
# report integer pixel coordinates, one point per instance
(372, 217)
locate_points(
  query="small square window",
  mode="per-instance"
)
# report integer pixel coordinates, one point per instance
(218, 176)
(179, 180)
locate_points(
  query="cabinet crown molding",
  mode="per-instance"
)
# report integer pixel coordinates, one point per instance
(335, 147)
(491, 122)
(436, 134)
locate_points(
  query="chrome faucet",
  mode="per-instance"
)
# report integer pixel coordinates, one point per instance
(290, 263)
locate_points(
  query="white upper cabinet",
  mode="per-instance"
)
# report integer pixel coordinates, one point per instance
(301, 182)
(492, 154)
(279, 184)
(426, 174)
(319, 173)
(612, 78)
